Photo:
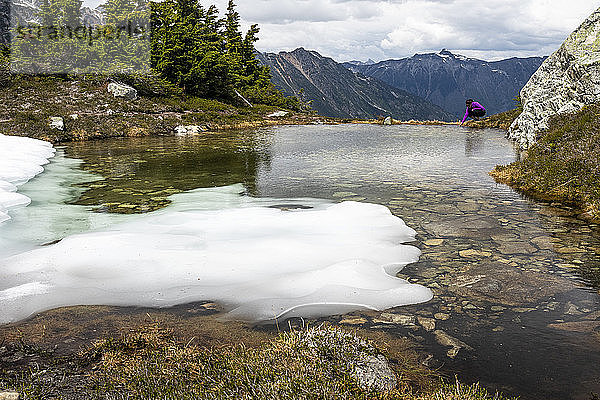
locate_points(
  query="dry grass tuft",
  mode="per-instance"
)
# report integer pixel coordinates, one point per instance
(150, 363)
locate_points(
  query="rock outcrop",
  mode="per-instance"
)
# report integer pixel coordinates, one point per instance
(122, 90)
(566, 82)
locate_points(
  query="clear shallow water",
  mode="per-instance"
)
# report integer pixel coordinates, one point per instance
(516, 281)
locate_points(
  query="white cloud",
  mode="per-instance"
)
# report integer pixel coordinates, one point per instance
(381, 29)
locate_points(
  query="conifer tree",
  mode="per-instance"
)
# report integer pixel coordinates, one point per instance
(206, 55)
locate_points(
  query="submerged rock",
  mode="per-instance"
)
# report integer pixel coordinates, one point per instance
(446, 340)
(353, 321)
(427, 323)
(398, 319)
(566, 82)
(504, 285)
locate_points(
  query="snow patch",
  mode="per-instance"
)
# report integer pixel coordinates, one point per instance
(262, 258)
(21, 159)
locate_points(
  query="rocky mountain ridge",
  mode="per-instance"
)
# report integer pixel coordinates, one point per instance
(447, 79)
(335, 91)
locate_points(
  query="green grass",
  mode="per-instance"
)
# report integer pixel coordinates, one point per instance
(498, 121)
(564, 164)
(29, 101)
(150, 363)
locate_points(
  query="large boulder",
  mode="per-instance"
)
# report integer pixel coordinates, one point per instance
(57, 123)
(566, 82)
(121, 90)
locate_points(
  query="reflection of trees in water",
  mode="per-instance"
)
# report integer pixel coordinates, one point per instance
(474, 143)
(144, 166)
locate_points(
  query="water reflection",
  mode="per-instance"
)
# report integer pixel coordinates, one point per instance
(474, 143)
(140, 173)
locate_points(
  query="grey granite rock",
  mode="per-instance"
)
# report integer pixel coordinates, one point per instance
(187, 130)
(57, 123)
(121, 90)
(374, 373)
(566, 82)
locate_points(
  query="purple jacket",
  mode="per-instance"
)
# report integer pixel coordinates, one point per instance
(474, 107)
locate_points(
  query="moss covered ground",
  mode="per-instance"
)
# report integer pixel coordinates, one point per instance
(89, 111)
(152, 363)
(564, 164)
(498, 121)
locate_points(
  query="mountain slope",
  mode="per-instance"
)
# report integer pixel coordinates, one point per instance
(335, 91)
(447, 80)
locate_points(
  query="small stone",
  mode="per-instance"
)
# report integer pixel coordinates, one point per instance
(387, 121)
(427, 323)
(353, 321)
(121, 90)
(442, 316)
(542, 242)
(571, 309)
(453, 352)
(9, 396)
(57, 123)
(74, 116)
(344, 194)
(522, 310)
(127, 205)
(497, 308)
(434, 242)
(569, 266)
(446, 340)
(375, 373)
(474, 253)
(186, 130)
(498, 329)
(278, 114)
(398, 319)
(570, 250)
(210, 306)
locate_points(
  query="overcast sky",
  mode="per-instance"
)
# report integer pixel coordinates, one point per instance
(382, 29)
(378, 29)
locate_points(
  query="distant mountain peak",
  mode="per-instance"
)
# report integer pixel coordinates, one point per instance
(358, 62)
(446, 78)
(338, 92)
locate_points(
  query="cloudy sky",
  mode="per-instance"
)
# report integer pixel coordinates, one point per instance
(382, 29)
